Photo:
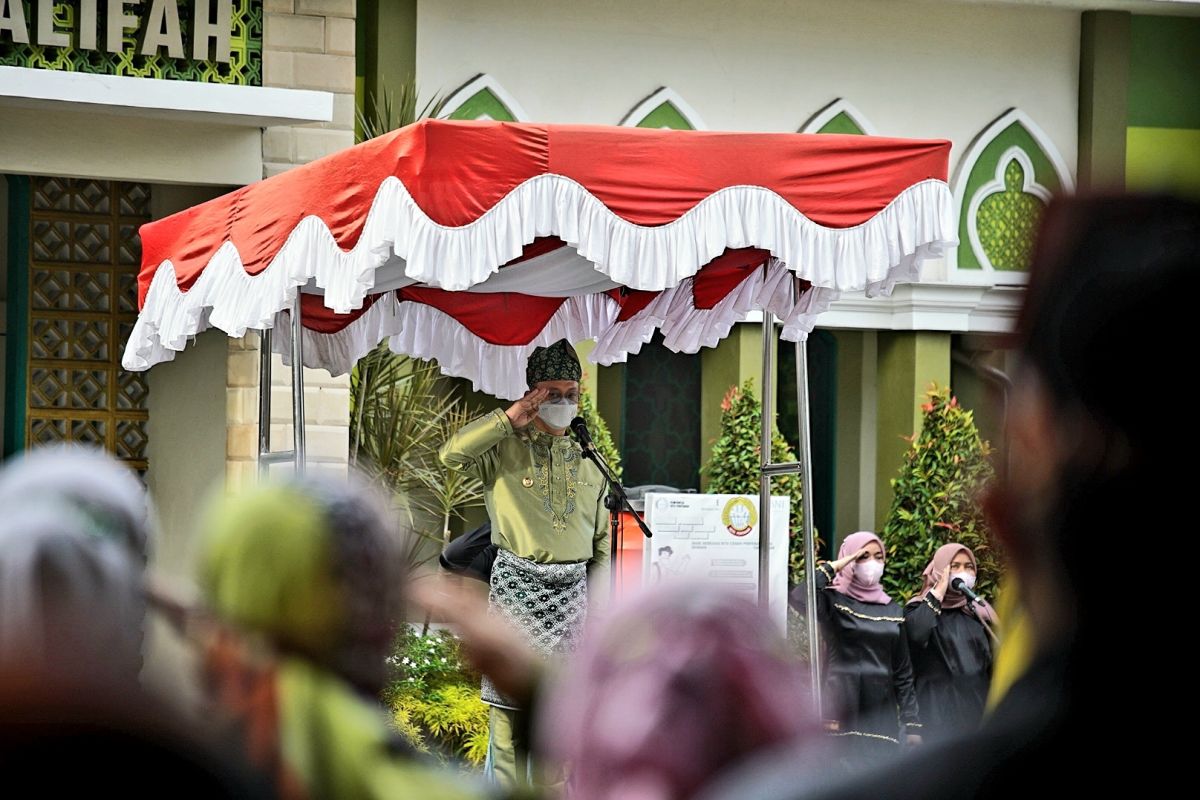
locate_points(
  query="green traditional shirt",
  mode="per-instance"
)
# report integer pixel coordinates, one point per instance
(544, 499)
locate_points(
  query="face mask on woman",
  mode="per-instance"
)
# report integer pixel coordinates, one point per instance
(868, 572)
(966, 576)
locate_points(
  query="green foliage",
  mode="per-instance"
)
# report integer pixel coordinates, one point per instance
(735, 463)
(391, 110)
(434, 697)
(936, 498)
(393, 401)
(400, 416)
(446, 493)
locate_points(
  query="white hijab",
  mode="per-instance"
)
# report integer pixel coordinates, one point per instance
(73, 543)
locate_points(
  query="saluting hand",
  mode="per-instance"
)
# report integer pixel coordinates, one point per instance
(841, 563)
(943, 582)
(522, 412)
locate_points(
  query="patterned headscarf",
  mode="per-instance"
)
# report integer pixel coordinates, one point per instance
(558, 362)
(311, 566)
(678, 683)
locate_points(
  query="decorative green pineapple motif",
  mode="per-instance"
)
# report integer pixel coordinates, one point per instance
(1008, 220)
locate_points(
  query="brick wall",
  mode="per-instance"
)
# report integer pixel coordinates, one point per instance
(307, 44)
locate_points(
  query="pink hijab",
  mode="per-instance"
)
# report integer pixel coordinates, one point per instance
(953, 599)
(674, 685)
(847, 582)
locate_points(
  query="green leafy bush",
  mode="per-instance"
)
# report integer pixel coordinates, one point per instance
(434, 697)
(936, 498)
(734, 465)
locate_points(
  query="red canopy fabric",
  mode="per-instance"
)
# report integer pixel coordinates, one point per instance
(496, 235)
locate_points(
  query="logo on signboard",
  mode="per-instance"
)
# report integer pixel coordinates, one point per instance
(739, 516)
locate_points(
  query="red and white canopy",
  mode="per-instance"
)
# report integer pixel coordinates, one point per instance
(474, 242)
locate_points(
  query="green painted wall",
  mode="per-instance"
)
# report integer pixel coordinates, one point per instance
(1139, 102)
(3, 299)
(1163, 159)
(1103, 98)
(385, 44)
(1164, 72)
(908, 362)
(1163, 137)
(590, 370)
(849, 436)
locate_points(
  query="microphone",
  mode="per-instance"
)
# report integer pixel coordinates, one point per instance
(579, 428)
(616, 492)
(959, 585)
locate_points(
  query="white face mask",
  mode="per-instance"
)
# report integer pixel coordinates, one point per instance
(868, 572)
(558, 415)
(968, 578)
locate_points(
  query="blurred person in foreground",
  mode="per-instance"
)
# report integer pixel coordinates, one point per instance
(74, 540)
(677, 684)
(74, 716)
(305, 585)
(1094, 459)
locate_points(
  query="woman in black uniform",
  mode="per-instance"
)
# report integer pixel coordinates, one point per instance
(869, 679)
(950, 643)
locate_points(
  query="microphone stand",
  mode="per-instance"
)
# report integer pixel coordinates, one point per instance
(616, 499)
(973, 601)
(616, 537)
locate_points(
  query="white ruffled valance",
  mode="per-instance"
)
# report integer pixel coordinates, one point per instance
(421, 331)
(425, 332)
(400, 240)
